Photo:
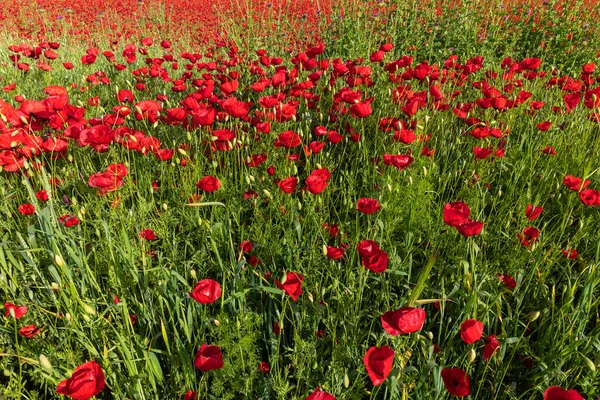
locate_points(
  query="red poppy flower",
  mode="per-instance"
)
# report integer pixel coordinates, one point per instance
(208, 184)
(508, 280)
(471, 331)
(288, 185)
(576, 184)
(29, 331)
(368, 205)
(288, 139)
(317, 181)
(334, 253)
(190, 395)
(570, 253)
(148, 234)
(532, 213)
(264, 367)
(319, 394)
(361, 110)
(491, 347)
(557, 393)
(69, 220)
(456, 381)
(26, 209)
(470, 228)
(403, 321)
(590, 197)
(544, 126)
(528, 236)
(246, 246)
(292, 285)
(206, 291)
(208, 358)
(379, 362)
(42, 195)
(456, 213)
(86, 381)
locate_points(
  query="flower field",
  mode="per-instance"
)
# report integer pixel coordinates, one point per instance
(282, 199)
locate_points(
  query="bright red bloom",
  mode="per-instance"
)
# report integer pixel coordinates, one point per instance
(557, 393)
(288, 185)
(532, 213)
(456, 213)
(471, 331)
(491, 347)
(208, 184)
(379, 362)
(26, 209)
(317, 181)
(372, 257)
(288, 139)
(190, 395)
(292, 285)
(470, 228)
(69, 220)
(544, 126)
(361, 110)
(246, 246)
(508, 281)
(528, 236)
(42, 195)
(590, 197)
(368, 205)
(206, 291)
(86, 381)
(570, 253)
(264, 367)
(456, 381)
(403, 321)
(574, 183)
(18, 311)
(334, 253)
(29, 331)
(319, 394)
(148, 234)
(208, 358)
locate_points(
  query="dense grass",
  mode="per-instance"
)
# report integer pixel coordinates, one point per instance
(68, 276)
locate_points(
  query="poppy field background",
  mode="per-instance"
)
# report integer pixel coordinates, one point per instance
(299, 200)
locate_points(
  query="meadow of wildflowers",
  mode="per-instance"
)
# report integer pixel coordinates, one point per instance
(282, 199)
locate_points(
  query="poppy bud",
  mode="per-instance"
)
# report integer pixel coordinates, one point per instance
(346, 380)
(45, 363)
(430, 335)
(267, 193)
(533, 316)
(165, 206)
(472, 355)
(68, 317)
(58, 260)
(89, 309)
(589, 363)
(55, 286)
(193, 274)
(325, 250)
(3, 117)
(216, 322)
